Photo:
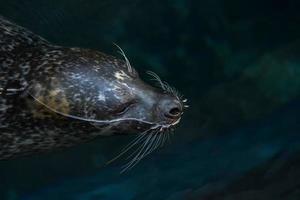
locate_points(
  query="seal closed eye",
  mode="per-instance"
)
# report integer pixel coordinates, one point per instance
(53, 96)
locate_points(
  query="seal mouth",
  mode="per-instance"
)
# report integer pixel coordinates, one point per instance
(145, 143)
(148, 141)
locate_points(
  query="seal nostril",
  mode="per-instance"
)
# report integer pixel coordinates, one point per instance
(170, 108)
(174, 112)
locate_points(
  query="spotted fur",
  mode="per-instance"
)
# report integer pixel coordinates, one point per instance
(53, 96)
(25, 125)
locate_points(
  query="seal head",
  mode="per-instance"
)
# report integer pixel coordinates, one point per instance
(93, 87)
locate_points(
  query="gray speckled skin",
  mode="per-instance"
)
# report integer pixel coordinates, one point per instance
(42, 84)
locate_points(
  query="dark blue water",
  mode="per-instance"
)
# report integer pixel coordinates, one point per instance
(236, 61)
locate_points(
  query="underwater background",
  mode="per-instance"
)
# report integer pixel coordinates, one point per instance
(238, 63)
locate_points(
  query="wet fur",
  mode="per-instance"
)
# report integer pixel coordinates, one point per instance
(34, 118)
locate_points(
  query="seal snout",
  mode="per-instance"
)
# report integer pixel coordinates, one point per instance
(171, 108)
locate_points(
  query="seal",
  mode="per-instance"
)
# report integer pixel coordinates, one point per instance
(54, 96)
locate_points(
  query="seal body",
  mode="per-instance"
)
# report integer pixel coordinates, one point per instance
(53, 96)
(24, 127)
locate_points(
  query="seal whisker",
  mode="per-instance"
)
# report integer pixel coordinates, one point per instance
(151, 137)
(135, 160)
(128, 147)
(133, 153)
(125, 58)
(157, 142)
(164, 139)
(149, 148)
(158, 79)
(135, 141)
(154, 146)
(166, 86)
(173, 91)
(160, 141)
